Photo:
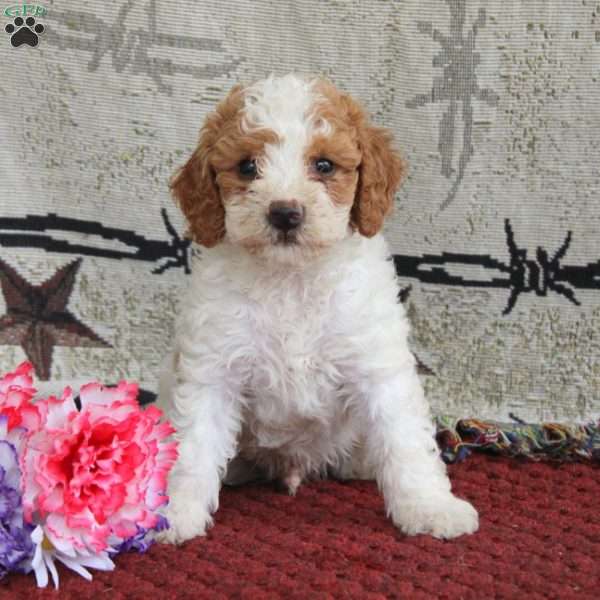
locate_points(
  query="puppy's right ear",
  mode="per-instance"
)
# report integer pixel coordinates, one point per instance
(195, 190)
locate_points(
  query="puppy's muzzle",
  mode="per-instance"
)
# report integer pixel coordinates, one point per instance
(285, 216)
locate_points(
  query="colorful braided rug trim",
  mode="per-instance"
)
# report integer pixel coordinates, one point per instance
(544, 441)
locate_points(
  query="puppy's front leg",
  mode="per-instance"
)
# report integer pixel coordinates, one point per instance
(207, 421)
(409, 471)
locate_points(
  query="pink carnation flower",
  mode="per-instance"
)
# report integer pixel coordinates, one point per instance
(16, 392)
(94, 476)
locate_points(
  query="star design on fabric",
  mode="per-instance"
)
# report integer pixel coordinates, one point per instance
(37, 318)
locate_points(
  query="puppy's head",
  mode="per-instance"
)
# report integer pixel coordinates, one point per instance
(285, 168)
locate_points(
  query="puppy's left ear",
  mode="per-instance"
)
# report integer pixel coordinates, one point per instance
(195, 191)
(380, 172)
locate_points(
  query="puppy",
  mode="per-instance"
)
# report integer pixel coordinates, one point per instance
(291, 348)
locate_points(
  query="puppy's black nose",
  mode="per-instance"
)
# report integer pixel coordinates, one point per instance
(285, 216)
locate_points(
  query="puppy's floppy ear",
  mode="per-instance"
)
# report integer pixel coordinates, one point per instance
(380, 173)
(194, 186)
(195, 190)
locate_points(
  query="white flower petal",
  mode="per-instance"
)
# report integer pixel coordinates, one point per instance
(49, 560)
(41, 576)
(39, 567)
(61, 545)
(37, 535)
(101, 562)
(75, 566)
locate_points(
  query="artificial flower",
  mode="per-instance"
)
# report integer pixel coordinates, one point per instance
(16, 547)
(16, 393)
(95, 477)
(77, 486)
(77, 560)
(143, 539)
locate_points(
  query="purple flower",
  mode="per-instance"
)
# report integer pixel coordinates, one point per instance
(16, 547)
(143, 539)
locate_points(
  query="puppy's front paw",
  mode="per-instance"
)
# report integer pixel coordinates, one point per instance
(183, 527)
(442, 516)
(187, 517)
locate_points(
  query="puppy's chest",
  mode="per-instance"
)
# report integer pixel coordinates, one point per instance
(297, 348)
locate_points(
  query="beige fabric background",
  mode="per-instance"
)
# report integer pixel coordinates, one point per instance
(495, 104)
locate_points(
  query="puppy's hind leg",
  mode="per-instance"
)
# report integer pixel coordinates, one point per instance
(292, 480)
(241, 471)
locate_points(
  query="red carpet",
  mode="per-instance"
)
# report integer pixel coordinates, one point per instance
(539, 538)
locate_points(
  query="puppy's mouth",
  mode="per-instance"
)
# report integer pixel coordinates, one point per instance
(286, 238)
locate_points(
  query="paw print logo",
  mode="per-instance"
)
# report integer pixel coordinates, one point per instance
(24, 32)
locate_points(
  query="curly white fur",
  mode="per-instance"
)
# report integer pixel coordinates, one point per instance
(299, 363)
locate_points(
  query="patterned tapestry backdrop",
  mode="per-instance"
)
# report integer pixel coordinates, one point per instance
(495, 233)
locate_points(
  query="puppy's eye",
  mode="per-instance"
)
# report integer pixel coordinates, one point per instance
(324, 166)
(247, 168)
